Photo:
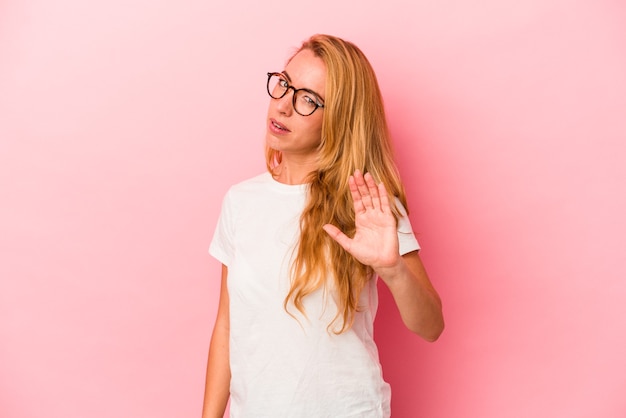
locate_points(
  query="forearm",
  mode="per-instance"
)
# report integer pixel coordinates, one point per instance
(417, 300)
(216, 390)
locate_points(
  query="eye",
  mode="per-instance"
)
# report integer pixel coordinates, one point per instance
(283, 83)
(307, 101)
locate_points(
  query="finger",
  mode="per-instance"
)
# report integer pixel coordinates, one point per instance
(363, 189)
(336, 234)
(357, 201)
(385, 206)
(372, 190)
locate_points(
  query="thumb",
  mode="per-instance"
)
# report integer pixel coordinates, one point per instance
(336, 234)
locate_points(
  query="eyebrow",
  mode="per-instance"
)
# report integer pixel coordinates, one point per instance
(309, 90)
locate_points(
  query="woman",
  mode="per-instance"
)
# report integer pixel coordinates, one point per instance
(294, 331)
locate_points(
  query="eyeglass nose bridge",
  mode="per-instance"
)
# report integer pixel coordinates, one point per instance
(293, 96)
(289, 87)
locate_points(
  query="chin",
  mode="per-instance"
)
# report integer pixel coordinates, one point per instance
(272, 142)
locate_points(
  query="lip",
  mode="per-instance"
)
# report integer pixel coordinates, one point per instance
(277, 128)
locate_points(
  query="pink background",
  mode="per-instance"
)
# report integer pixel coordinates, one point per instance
(122, 123)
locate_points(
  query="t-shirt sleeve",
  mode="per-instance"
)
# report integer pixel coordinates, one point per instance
(221, 246)
(406, 237)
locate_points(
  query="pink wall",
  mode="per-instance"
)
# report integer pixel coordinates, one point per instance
(122, 123)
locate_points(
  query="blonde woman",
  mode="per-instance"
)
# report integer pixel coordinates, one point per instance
(302, 244)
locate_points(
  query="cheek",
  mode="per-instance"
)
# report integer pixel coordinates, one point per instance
(316, 126)
(316, 133)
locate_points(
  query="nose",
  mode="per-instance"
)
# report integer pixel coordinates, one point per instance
(285, 104)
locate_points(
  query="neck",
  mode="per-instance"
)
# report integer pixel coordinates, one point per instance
(292, 172)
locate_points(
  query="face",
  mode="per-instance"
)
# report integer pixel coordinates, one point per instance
(297, 136)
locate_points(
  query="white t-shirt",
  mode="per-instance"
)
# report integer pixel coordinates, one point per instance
(283, 366)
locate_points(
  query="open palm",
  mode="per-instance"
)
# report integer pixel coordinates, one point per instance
(375, 242)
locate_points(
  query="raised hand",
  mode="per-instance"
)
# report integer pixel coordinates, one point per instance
(375, 242)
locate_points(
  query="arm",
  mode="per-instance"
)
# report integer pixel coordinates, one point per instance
(217, 390)
(418, 302)
(375, 244)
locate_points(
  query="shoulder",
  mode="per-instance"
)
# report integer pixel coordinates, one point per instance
(250, 186)
(253, 182)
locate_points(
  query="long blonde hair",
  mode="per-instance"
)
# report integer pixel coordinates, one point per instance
(354, 136)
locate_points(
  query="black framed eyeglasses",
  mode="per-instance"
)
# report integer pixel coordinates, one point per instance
(305, 101)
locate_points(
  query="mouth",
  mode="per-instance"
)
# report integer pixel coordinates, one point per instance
(278, 127)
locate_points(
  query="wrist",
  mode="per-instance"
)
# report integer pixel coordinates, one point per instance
(392, 272)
